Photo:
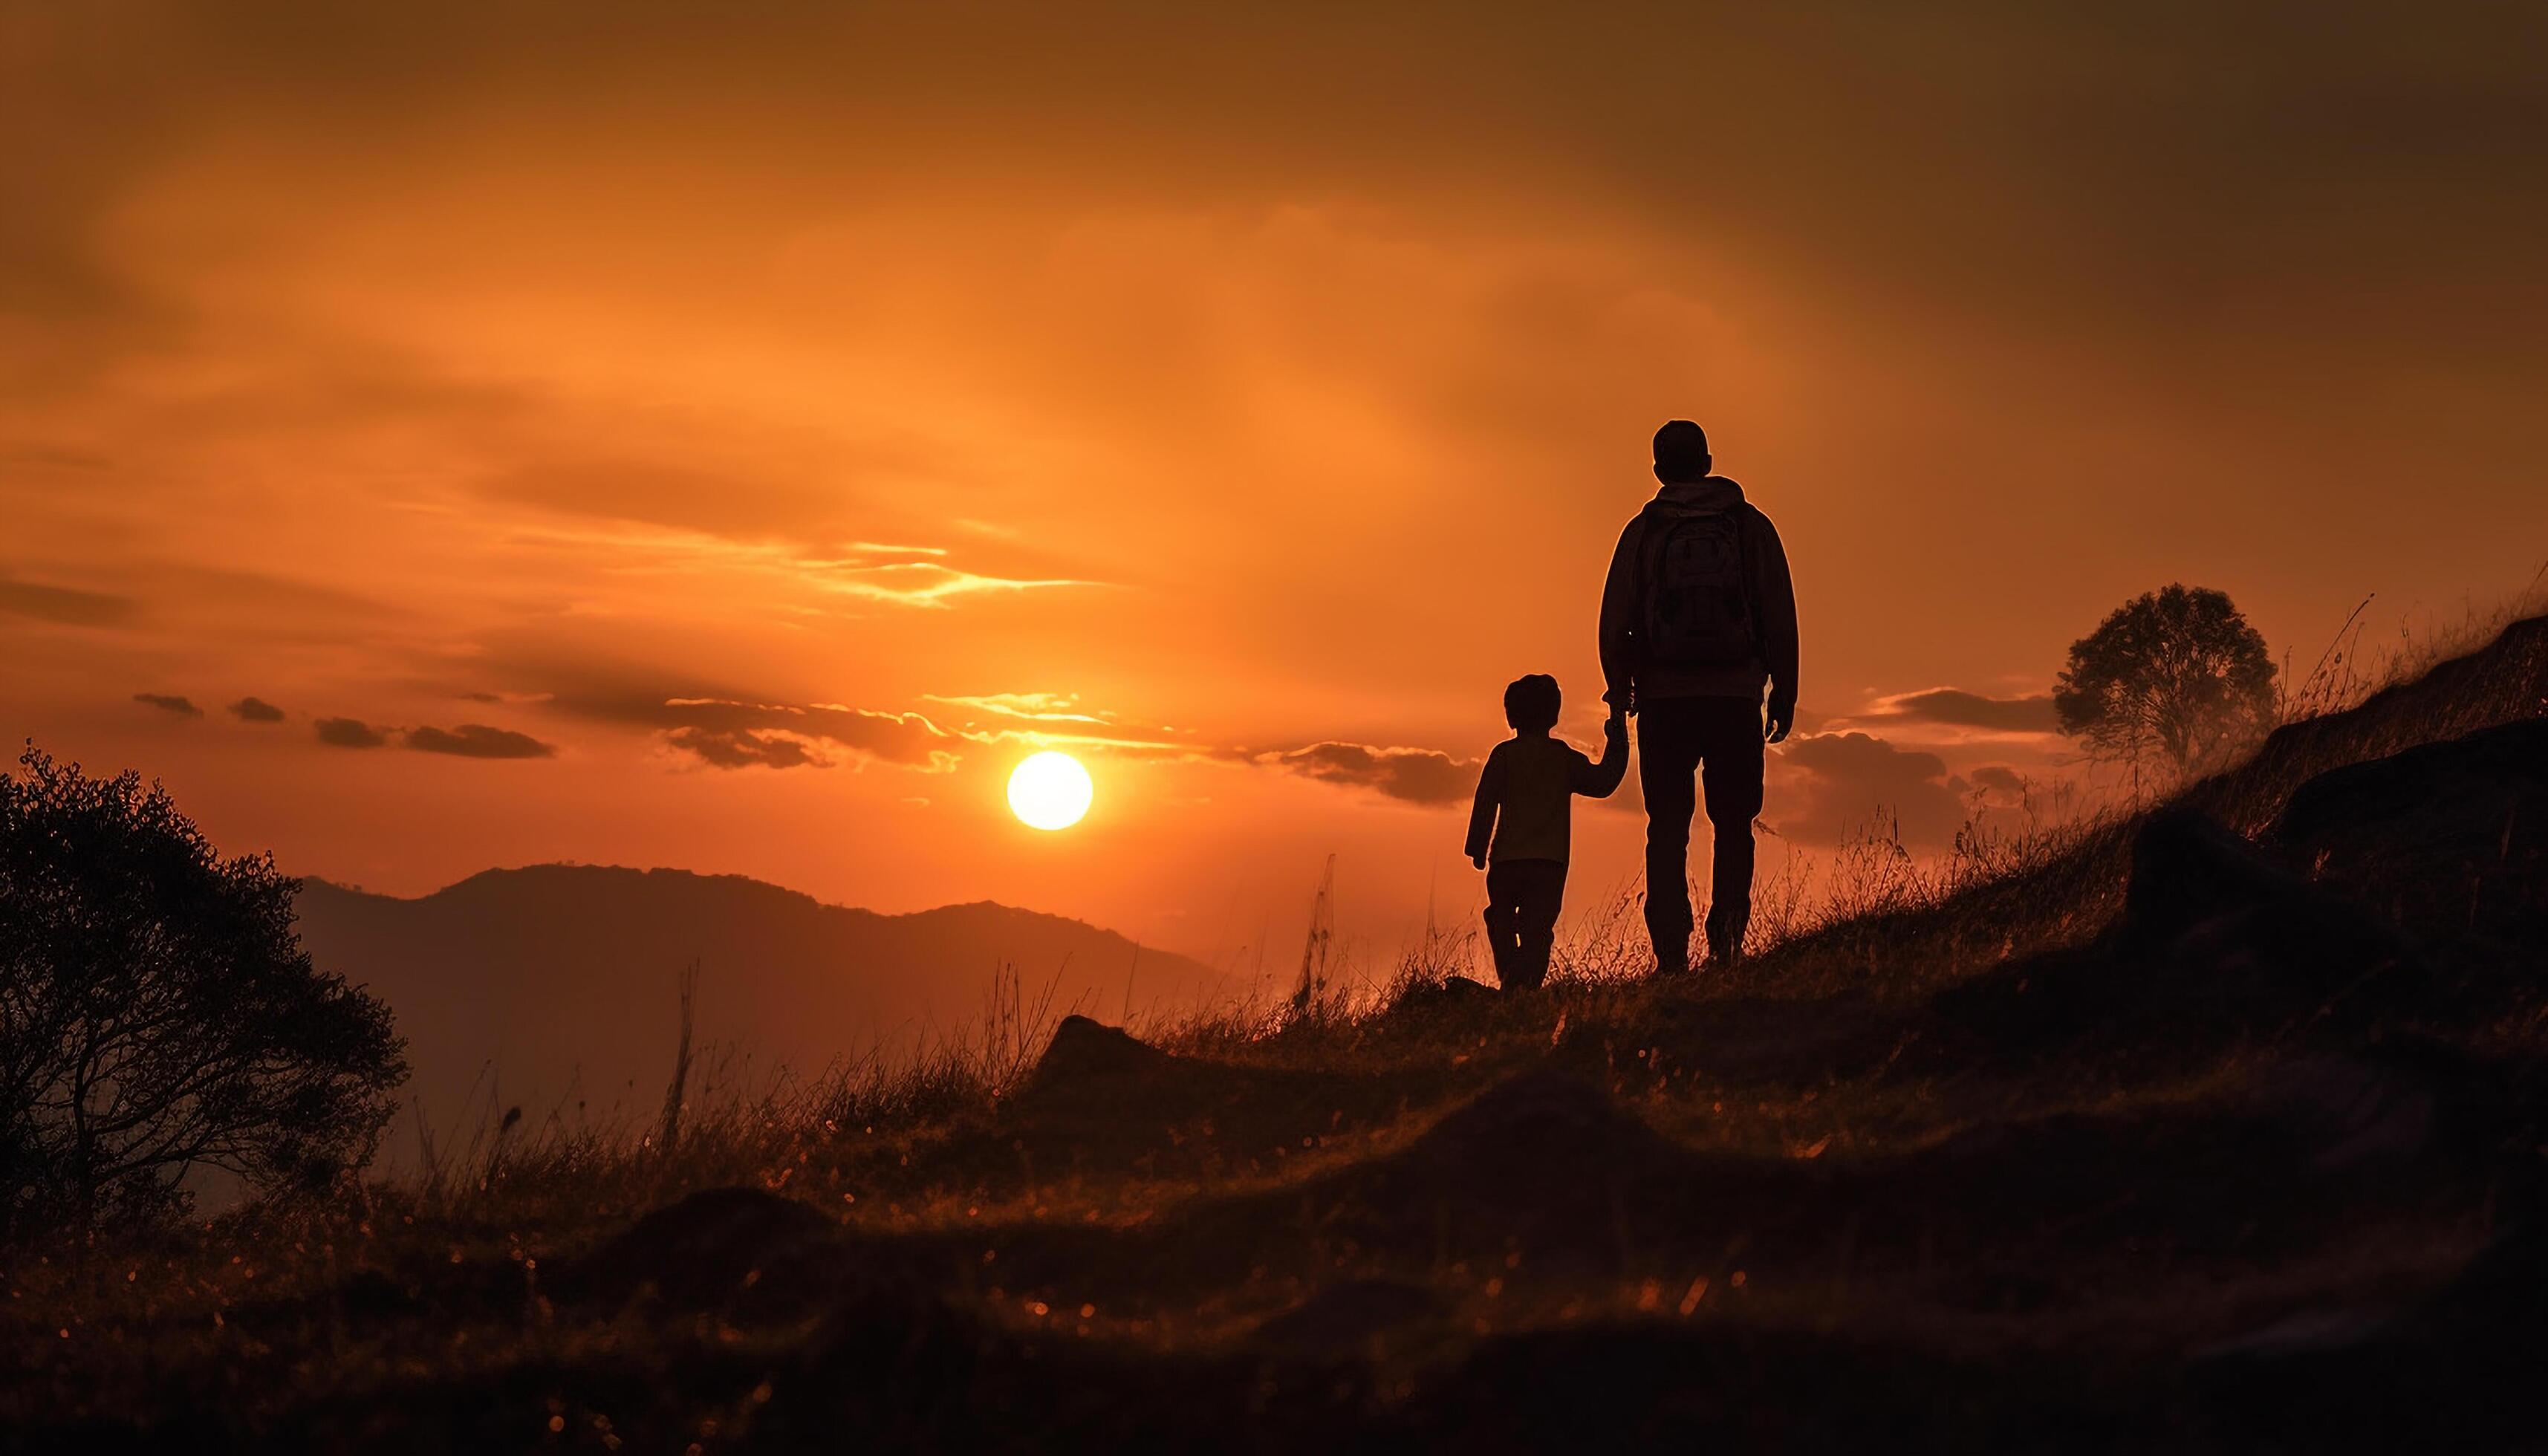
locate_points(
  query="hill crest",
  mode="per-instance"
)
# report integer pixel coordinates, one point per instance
(553, 986)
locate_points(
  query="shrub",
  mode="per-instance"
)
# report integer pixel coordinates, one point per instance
(157, 1014)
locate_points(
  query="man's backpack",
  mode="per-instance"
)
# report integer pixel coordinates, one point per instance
(1698, 591)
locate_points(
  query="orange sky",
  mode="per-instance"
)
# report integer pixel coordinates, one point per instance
(770, 424)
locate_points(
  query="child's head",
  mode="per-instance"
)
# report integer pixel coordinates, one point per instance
(1530, 703)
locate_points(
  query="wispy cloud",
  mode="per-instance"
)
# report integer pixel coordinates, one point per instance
(1417, 776)
(750, 729)
(67, 606)
(740, 733)
(1034, 707)
(256, 710)
(744, 748)
(1832, 784)
(927, 584)
(1960, 709)
(878, 548)
(911, 575)
(169, 702)
(747, 730)
(350, 733)
(478, 741)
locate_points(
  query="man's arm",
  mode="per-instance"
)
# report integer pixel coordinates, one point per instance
(1621, 610)
(1776, 592)
(1598, 780)
(1481, 812)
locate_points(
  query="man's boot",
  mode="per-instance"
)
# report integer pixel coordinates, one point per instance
(1672, 951)
(1725, 938)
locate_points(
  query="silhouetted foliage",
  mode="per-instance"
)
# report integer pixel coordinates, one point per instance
(2176, 674)
(159, 1015)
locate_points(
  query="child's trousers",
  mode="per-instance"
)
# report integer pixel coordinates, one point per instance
(1523, 897)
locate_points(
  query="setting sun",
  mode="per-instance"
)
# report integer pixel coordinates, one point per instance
(1049, 791)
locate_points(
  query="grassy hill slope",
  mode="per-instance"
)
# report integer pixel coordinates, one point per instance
(2213, 1128)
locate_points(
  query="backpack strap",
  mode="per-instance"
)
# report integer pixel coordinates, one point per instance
(1748, 513)
(1651, 544)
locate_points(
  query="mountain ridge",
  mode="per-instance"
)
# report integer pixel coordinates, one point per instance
(674, 874)
(554, 985)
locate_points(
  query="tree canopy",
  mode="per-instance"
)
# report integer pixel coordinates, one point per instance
(157, 1013)
(2176, 675)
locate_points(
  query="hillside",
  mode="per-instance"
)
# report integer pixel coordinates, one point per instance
(553, 987)
(2219, 1129)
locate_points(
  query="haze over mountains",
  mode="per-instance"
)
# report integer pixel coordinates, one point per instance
(555, 987)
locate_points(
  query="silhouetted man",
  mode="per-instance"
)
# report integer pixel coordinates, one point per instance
(1698, 617)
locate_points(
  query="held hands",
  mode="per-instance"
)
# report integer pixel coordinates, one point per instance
(1781, 719)
(1617, 725)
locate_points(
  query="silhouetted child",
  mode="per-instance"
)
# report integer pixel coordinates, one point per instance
(1525, 797)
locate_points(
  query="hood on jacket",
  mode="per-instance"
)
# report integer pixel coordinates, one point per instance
(1708, 496)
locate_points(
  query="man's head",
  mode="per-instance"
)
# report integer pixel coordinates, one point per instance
(1680, 453)
(1531, 703)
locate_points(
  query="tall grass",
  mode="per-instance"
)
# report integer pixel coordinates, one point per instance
(721, 1125)
(1873, 919)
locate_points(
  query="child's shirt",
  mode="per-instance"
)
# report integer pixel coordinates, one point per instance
(1525, 793)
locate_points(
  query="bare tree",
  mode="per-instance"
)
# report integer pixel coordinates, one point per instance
(2174, 676)
(157, 1013)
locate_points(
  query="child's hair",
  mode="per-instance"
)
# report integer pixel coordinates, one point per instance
(1532, 703)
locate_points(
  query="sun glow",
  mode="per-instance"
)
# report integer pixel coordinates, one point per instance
(1049, 791)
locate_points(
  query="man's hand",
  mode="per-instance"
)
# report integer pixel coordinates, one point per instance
(1781, 719)
(1478, 860)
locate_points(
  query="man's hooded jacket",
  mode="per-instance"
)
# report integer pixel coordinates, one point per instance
(1773, 600)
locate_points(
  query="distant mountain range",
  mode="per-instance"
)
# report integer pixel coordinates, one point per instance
(555, 987)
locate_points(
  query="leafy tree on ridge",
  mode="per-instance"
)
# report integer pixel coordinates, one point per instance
(2175, 675)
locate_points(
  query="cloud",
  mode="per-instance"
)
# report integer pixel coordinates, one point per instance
(350, 733)
(1417, 775)
(739, 733)
(906, 739)
(732, 728)
(743, 748)
(1035, 707)
(256, 710)
(907, 576)
(195, 588)
(749, 732)
(929, 584)
(1956, 707)
(743, 505)
(1833, 785)
(1999, 779)
(64, 604)
(478, 741)
(170, 703)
